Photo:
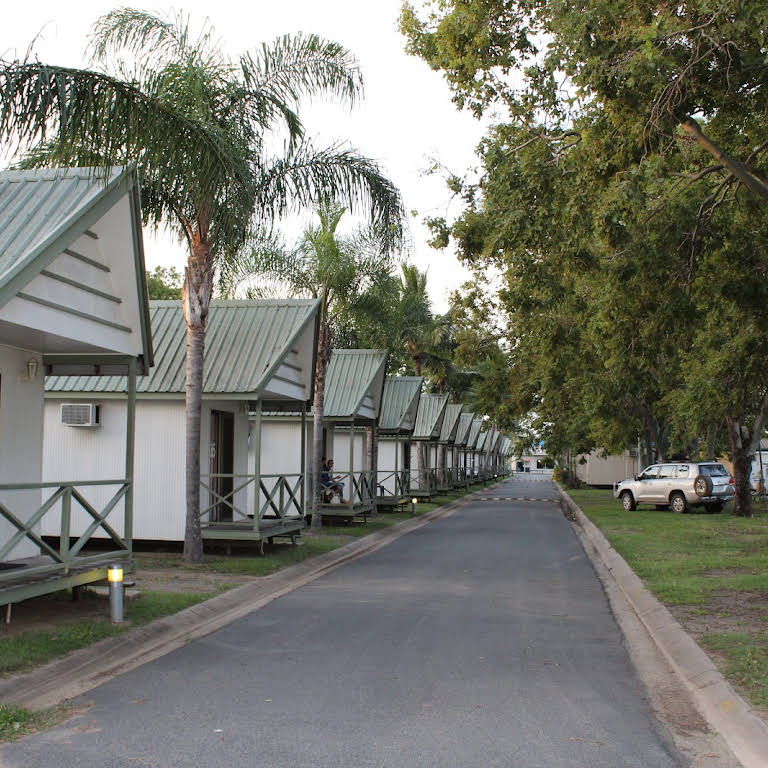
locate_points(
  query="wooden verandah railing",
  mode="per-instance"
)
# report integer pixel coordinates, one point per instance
(392, 487)
(67, 564)
(358, 494)
(232, 515)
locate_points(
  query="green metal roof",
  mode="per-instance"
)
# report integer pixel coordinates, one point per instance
(463, 428)
(400, 393)
(450, 422)
(482, 437)
(44, 210)
(351, 375)
(474, 433)
(429, 420)
(245, 342)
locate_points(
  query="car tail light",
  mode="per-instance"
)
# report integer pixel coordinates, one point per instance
(731, 481)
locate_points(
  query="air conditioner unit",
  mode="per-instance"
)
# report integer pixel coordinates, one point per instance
(81, 414)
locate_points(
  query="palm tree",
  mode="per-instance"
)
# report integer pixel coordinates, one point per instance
(196, 123)
(344, 272)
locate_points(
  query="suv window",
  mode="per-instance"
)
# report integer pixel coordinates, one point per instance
(713, 470)
(650, 474)
(667, 470)
(683, 470)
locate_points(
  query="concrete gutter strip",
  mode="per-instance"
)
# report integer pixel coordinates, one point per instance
(724, 710)
(87, 668)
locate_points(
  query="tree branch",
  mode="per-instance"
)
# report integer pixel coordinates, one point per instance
(755, 185)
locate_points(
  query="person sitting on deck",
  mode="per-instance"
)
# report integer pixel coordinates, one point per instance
(329, 485)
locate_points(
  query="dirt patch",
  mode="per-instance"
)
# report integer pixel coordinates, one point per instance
(182, 580)
(725, 611)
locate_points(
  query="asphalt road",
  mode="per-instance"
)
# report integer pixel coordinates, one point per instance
(483, 639)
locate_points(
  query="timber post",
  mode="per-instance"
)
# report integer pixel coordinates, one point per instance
(256, 437)
(130, 444)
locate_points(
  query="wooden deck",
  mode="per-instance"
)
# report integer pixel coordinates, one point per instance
(243, 530)
(386, 503)
(36, 576)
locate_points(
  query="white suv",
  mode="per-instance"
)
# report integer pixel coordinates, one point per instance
(680, 485)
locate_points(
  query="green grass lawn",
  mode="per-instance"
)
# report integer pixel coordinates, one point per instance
(20, 653)
(711, 570)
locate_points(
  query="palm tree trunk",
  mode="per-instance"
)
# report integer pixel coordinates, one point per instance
(196, 299)
(323, 355)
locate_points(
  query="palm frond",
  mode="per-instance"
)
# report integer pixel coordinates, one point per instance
(80, 115)
(279, 74)
(308, 176)
(266, 266)
(152, 40)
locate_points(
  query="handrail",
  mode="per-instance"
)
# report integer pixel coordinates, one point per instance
(65, 494)
(400, 477)
(360, 485)
(285, 494)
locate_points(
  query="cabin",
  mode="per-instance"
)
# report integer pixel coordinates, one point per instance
(429, 425)
(444, 453)
(492, 453)
(504, 454)
(461, 474)
(397, 420)
(354, 385)
(259, 357)
(480, 454)
(473, 469)
(73, 301)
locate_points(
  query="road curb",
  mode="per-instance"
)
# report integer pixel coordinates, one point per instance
(718, 703)
(83, 670)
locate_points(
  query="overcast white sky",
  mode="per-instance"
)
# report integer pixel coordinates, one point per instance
(407, 116)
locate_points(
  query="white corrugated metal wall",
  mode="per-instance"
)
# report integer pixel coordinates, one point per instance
(21, 440)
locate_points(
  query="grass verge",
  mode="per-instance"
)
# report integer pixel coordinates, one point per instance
(16, 722)
(710, 570)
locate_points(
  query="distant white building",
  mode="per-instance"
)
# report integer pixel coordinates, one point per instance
(605, 470)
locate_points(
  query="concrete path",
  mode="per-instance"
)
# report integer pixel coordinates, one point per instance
(483, 639)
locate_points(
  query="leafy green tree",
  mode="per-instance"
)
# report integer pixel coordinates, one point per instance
(344, 272)
(197, 124)
(164, 283)
(614, 201)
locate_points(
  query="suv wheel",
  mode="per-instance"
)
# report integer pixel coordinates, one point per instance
(678, 503)
(628, 501)
(702, 485)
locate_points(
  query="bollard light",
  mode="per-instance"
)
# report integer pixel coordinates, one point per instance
(414, 502)
(115, 578)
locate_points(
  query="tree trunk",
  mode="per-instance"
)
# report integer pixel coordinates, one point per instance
(741, 469)
(711, 441)
(441, 464)
(323, 356)
(196, 299)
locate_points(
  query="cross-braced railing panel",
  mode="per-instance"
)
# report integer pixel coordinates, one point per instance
(281, 493)
(64, 500)
(394, 483)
